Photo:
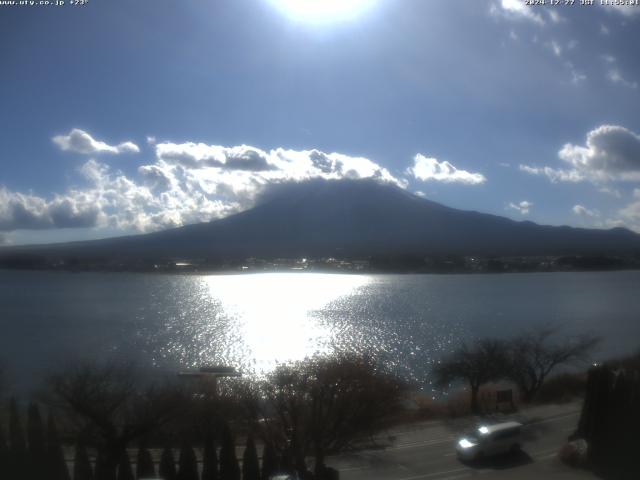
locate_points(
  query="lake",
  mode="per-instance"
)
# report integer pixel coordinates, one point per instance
(255, 321)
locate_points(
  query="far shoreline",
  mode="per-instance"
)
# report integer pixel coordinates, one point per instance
(392, 263)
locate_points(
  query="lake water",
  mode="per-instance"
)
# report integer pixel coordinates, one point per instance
(254, 321)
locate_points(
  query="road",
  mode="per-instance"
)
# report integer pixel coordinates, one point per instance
(426, 451)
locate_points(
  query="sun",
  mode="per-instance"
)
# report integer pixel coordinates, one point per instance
(323, 10)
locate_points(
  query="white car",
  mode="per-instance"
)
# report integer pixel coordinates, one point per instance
(490, 440)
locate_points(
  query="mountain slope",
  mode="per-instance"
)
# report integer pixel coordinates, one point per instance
(358, 219)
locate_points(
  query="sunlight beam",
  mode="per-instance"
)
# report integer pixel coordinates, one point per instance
(323, 11)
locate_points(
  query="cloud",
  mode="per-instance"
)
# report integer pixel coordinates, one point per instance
(583, 211)
(426, 169)
(523, 207)
(626, 10)
(79, 141)
(611, 153)
(576, 76)
(202, 155)
(631, 213)
(553, 174)
(555, 48)
(610, 191)
(516, 10)
(616, 77)
(554, 16)
(604, 30)
(24, 211)
(186, 183)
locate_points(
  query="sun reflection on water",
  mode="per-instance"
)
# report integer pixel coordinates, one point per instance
(274, 313)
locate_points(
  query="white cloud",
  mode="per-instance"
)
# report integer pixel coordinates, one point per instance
(555, 48)
(610, 191)
(583, 211)
(626, 10)
(630, 214)
(553, 174)
(554, 16)
(611, 153)
(609, 58)
(18, 210)
(616, 77)
(187, 183)
(516, 10)
(604, 30)
(426, 169)
(577, 77)
(523, 207)
(151, 140)
(79, 141)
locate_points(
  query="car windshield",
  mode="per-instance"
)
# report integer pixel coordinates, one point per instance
(472, 437)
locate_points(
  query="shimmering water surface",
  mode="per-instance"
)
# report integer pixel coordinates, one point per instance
(254, 321)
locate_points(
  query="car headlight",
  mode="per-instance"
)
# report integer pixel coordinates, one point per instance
(464, 443)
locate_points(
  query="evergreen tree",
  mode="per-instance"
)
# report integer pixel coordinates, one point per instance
(167, 465)
(125, 472)
(81, 464)
(210, 461)
(145, 467)
(4, 455)
(36, 440)
(18, 461)
(269, 461)
(188, 463)
(103, 471)
(250, 466)
(229, 468)
(57, 467)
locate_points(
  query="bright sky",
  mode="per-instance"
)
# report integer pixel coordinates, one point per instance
(125, 116)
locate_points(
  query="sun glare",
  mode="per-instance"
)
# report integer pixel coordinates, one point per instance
(274, 312)
(323, 10)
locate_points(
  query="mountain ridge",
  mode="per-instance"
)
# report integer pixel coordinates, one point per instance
(351, 218)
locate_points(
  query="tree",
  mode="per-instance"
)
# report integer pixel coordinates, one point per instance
(145, 467)
(328, 404)
(209, 460)
(57, 466)
(269, 461)
(229, 468)
(108, 401)
(482, 362)
(188, 464)
(167, 468)
(535, 354)
(125, 472)
(4, 454)
(36, 441)
(18, 461)
(250, 466)
(81, 464)
(102, 470)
